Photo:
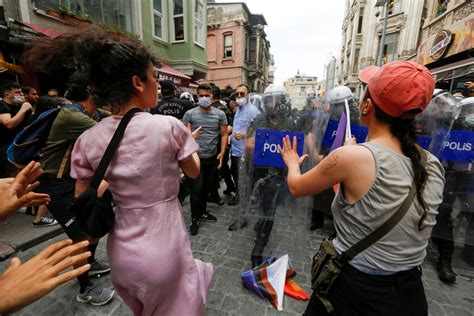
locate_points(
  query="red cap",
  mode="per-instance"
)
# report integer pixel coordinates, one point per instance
(399, 87)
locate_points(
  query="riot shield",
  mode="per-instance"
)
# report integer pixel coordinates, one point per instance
(273, 215)
(446, 125)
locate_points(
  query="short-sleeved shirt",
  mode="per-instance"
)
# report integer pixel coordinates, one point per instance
(7, 135)
(172, 107)
(67, 127)
(211, 123)
(226, 110)
(243, 117)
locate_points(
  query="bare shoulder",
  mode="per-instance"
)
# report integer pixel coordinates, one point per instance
(352, 154)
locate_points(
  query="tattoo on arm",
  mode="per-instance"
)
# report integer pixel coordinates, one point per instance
(329, 163)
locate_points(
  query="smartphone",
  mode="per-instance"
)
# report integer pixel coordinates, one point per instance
(460, 85)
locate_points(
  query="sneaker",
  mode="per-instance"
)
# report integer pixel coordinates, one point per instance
(194, 228)
(98, 268)
(96, 295)
(208, 217)
(44, 222)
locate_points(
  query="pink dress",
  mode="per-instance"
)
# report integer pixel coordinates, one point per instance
(153, 268)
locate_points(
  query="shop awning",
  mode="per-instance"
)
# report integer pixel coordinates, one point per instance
(166, 72)
(454, 70)
(42, 30)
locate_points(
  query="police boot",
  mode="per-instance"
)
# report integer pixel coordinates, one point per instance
(445, 270)
(257, 251)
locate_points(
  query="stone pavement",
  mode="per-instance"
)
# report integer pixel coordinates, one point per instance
(230, 254)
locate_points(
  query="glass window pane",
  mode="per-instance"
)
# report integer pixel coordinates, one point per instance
(177, 7)
(198, 11)
(179, 28)
(158, 28)
(157, 6)
(45, 4)
(228, 40)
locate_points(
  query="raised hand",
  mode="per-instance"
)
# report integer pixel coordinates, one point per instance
(289, 153)
(19, 192)
(22, 284)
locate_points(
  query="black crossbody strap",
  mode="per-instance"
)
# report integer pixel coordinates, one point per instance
(386, 227)
(111, 148)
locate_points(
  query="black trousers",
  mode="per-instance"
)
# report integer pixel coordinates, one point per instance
(234, 170)
(357, 293)
(226, 173)
(456, 186)
(202, 186)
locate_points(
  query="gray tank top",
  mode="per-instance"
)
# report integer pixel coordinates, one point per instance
(404, 247)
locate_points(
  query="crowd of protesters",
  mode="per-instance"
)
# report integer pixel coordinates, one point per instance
(175, 146)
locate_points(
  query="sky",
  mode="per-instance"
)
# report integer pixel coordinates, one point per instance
(303, 34)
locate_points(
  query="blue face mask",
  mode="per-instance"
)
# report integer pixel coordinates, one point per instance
(205, 102)
(317, 113)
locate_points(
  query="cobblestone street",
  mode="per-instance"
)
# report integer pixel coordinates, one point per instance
(230, 254)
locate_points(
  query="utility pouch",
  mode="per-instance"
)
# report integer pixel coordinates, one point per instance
(325, 268)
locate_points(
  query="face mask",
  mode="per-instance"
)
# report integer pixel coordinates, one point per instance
(18, 99)
(205, 102)
(469, 119)
(241, 101)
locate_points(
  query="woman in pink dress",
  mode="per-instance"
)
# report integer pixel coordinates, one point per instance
(153, 269)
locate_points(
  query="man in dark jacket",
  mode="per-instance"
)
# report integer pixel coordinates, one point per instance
(170, 105)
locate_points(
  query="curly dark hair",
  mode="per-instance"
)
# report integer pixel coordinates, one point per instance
(110, 61)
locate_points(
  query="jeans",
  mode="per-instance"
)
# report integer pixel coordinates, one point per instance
(202, 186)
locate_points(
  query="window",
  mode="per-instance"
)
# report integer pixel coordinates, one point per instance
(390, 48)
(116, 14)
(228, 46)
(252, 50)
(178, 20)
(355, 68)
(361, 20)
(395, 7)
(199, 31)
(158, 19)
(441, 7)
(302, 89)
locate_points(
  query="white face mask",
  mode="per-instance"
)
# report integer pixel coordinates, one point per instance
(241, 101)
(18, 99)
(205, 102)
(469, 119)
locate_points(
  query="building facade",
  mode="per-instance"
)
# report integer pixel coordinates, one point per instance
(447, 43)
(174, 29)
(361, 35)
(238, 51)
(299, 87)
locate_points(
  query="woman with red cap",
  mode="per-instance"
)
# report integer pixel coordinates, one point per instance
(375, 180)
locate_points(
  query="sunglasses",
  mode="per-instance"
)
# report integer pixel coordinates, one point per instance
(240, 94)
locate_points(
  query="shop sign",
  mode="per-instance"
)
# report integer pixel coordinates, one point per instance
(176, 80)
(441, 44)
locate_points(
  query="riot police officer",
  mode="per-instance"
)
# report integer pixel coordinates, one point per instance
(266, 187)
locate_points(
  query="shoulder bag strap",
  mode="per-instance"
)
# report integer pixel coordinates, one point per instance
(62, 167)
(386, 227)
(113, 145)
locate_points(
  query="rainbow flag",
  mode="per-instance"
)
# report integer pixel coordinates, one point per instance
(268, 281)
